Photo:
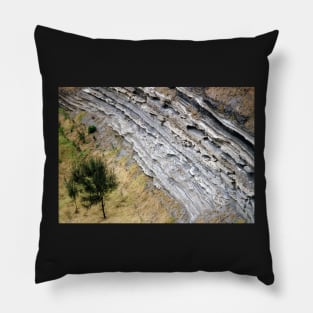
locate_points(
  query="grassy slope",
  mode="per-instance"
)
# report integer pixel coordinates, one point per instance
(135, 200)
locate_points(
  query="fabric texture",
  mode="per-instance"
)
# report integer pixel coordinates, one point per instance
(180, 182)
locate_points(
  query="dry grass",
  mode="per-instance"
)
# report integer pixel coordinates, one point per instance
(238, 101)
(135, 200)
(68, 90)
(220, 217)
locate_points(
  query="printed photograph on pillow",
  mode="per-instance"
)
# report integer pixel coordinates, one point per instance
(156, 155)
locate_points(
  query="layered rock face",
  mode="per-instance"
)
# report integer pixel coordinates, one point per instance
(196, 143)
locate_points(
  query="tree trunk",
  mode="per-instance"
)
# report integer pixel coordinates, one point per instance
(102, 205)
(76, 210)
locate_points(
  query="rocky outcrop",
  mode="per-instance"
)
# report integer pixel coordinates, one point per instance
(196, 143)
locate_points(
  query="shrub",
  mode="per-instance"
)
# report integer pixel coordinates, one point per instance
(92, 129)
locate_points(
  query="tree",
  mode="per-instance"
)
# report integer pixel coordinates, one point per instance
(72, 191)
(95, 180)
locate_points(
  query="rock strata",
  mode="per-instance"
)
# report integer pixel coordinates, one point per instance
(196, 143)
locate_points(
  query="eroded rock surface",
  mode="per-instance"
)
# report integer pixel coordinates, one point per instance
(184, 139)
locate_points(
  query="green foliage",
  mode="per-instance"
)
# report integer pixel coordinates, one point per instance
(95, 181)
(61, 130)
(67, 148)
(64, 113)
(72, 190)
(91, 129)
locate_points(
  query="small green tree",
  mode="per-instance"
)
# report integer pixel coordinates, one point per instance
(72, 191)
(96, 181)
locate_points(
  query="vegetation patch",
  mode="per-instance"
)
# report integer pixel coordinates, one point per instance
(133, 199)
(92, 129)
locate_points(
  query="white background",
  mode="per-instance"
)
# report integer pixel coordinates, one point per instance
(288, 155)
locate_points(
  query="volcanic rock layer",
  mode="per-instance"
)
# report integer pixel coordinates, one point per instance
(196, 143)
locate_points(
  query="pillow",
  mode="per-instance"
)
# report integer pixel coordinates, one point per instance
(164, 177)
